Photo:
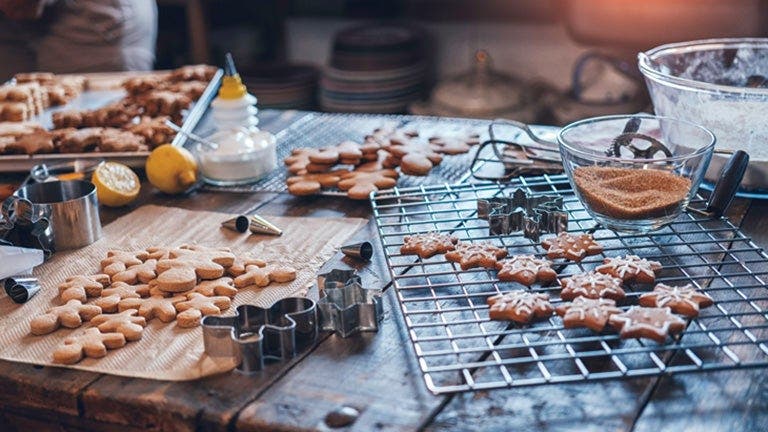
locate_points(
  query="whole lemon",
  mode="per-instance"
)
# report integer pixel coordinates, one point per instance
(116, 184)
(171, 169)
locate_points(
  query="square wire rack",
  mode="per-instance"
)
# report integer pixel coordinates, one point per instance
(459, 348)
(320, 130)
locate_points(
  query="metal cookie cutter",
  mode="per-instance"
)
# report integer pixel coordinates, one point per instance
(256, 334)
(533, 215)
(21, 226)
(345, 306)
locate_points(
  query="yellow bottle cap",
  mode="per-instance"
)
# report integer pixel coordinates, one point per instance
(232, 87)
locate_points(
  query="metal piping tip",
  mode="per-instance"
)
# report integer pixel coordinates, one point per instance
(259, 225)
(239, 224)
(21, 289)
(363, 251)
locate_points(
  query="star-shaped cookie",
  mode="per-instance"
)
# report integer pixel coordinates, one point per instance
(585, 312)
(684, 300)
(519, 306)
(471, 255)
(526, 270)
(427, 245)
(591, 285)
(571, 246)
(630, 268)
(648, 323)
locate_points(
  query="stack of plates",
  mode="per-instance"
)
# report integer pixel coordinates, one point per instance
(374, 69)
(282, 86)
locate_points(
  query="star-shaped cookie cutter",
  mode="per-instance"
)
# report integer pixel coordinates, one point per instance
(345, 306)
(255, 334)
(533, 215)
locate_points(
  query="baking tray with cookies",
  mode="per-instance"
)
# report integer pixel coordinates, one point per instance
(327, 153)
(50, 119)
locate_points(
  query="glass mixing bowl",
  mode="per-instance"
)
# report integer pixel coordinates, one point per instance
(721, 84)
(635, 173)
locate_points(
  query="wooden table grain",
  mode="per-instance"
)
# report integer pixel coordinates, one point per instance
(374, 373)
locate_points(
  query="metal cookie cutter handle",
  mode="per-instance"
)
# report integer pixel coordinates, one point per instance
(256, 334)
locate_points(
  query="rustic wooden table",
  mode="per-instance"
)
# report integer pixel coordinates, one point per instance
(374, 373)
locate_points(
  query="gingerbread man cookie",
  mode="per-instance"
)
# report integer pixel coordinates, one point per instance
(585, 312)
(110, 297)
(526, 270)
(143, 273)
(571, 246)
(453, 145)
(81, 287)
(70, 315)
(648, 323)
(416, 158)
(360, 184)
(155, 306)
(480, 254)
(217, 287)
(519, 306)
(630, 268)
(263, 276)
(298, 160)
(117, 261)
(591, 285)
(125, 322)
(180, 272)
(684, 300)
(90, 343)
(310, 184)
(427, 245)
(198, 305)
(238, 267)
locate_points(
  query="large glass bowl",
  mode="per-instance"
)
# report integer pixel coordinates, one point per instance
(721, 84)
(631, 194)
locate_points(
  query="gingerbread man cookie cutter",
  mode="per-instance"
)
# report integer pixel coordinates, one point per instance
(255, 335)
(533, 215)
(345, 306)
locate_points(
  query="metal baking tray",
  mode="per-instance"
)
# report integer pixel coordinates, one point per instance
(92, 99)
(315, 129)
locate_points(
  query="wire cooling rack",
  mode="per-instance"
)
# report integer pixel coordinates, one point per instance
(460, 349)
(320, 129)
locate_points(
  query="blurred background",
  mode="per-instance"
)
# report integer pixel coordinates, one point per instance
(542, 61)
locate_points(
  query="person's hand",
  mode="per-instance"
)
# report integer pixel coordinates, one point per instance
(20, 10)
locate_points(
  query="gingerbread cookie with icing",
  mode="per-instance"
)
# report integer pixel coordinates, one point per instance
(526, 270)
(630, 268)
(591, 285)
(480, 254)
(585, 312)
(571, 246)
(519, 306)
(429, 244)
(684, 300)
(647, 323)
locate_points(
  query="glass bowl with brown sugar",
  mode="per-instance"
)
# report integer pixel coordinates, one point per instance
(635, 173)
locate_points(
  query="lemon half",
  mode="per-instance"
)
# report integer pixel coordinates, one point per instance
(116, 184)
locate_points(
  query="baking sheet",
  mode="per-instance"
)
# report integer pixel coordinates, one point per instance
(98, 95)
(167, 352)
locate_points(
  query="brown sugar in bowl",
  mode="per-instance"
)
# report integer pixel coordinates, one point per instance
(631, 194)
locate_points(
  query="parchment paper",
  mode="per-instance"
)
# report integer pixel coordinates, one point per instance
(165, 351)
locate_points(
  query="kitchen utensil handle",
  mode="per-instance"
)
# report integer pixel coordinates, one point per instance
(728, 183)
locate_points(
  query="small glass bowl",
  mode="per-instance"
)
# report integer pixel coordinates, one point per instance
(630, 194)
